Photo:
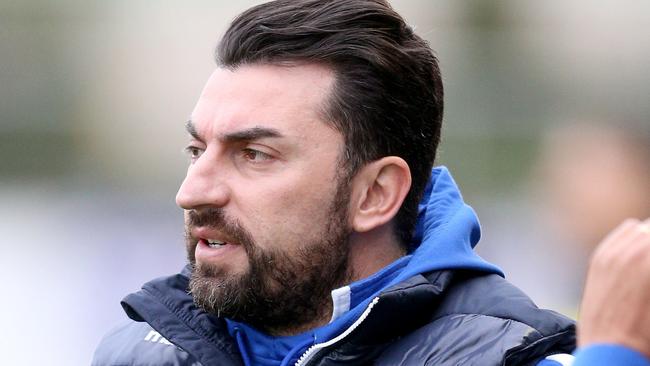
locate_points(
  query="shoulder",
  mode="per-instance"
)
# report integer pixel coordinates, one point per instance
(484, 320)
(492, 295)
(136, 343)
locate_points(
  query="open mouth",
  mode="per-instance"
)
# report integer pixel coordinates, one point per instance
(212, 240)
(212, 243)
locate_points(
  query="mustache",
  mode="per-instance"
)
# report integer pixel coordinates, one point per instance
(217, 219)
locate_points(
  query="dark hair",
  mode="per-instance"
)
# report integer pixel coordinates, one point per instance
(387, 98)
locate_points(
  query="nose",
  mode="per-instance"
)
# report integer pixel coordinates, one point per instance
(204, 186)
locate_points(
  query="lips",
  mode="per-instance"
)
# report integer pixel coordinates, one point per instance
(211, 238)
(213, 243)
(215, 247)
(218, 251)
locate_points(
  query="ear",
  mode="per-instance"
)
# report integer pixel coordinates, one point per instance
(379, 189)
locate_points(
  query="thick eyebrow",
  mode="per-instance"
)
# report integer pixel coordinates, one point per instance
(189, 127)
(250, 134)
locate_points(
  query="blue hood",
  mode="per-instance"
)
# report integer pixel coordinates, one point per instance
(446, 232)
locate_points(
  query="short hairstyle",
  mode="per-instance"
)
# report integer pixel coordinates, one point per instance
(387, 98)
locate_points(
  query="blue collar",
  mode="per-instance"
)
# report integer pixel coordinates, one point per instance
(258, 348)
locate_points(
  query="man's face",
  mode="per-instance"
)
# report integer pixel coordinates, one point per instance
(266, 212)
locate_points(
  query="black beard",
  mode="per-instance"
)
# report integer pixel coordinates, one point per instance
(283, 290)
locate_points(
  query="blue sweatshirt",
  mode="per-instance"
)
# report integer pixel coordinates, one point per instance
(599, 355)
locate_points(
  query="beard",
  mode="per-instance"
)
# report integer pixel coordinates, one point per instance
(282, 289)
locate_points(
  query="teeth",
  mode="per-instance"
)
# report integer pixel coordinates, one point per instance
(215, 243)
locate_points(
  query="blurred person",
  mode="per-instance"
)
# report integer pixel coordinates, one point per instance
(592, 176)
(318, 232)
(587, 177)
(614, 326)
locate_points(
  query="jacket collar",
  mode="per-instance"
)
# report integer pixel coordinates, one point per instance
(167, 306)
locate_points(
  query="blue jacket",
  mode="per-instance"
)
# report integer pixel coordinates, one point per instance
(441, 305)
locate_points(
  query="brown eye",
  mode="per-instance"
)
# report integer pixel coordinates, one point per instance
(193, 152)
(255, 156)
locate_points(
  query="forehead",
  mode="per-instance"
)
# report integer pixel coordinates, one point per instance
(288, 98)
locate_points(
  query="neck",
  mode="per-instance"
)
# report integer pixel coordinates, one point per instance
(323, 318)
(373, 250)
(369, 253)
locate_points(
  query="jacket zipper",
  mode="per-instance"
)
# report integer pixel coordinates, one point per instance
(311, 351)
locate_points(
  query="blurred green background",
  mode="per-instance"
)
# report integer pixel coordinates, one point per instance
(94, 96)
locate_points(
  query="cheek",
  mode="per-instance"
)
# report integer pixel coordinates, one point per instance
(291, 215)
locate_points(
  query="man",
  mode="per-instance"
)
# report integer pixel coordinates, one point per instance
(317, 231)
